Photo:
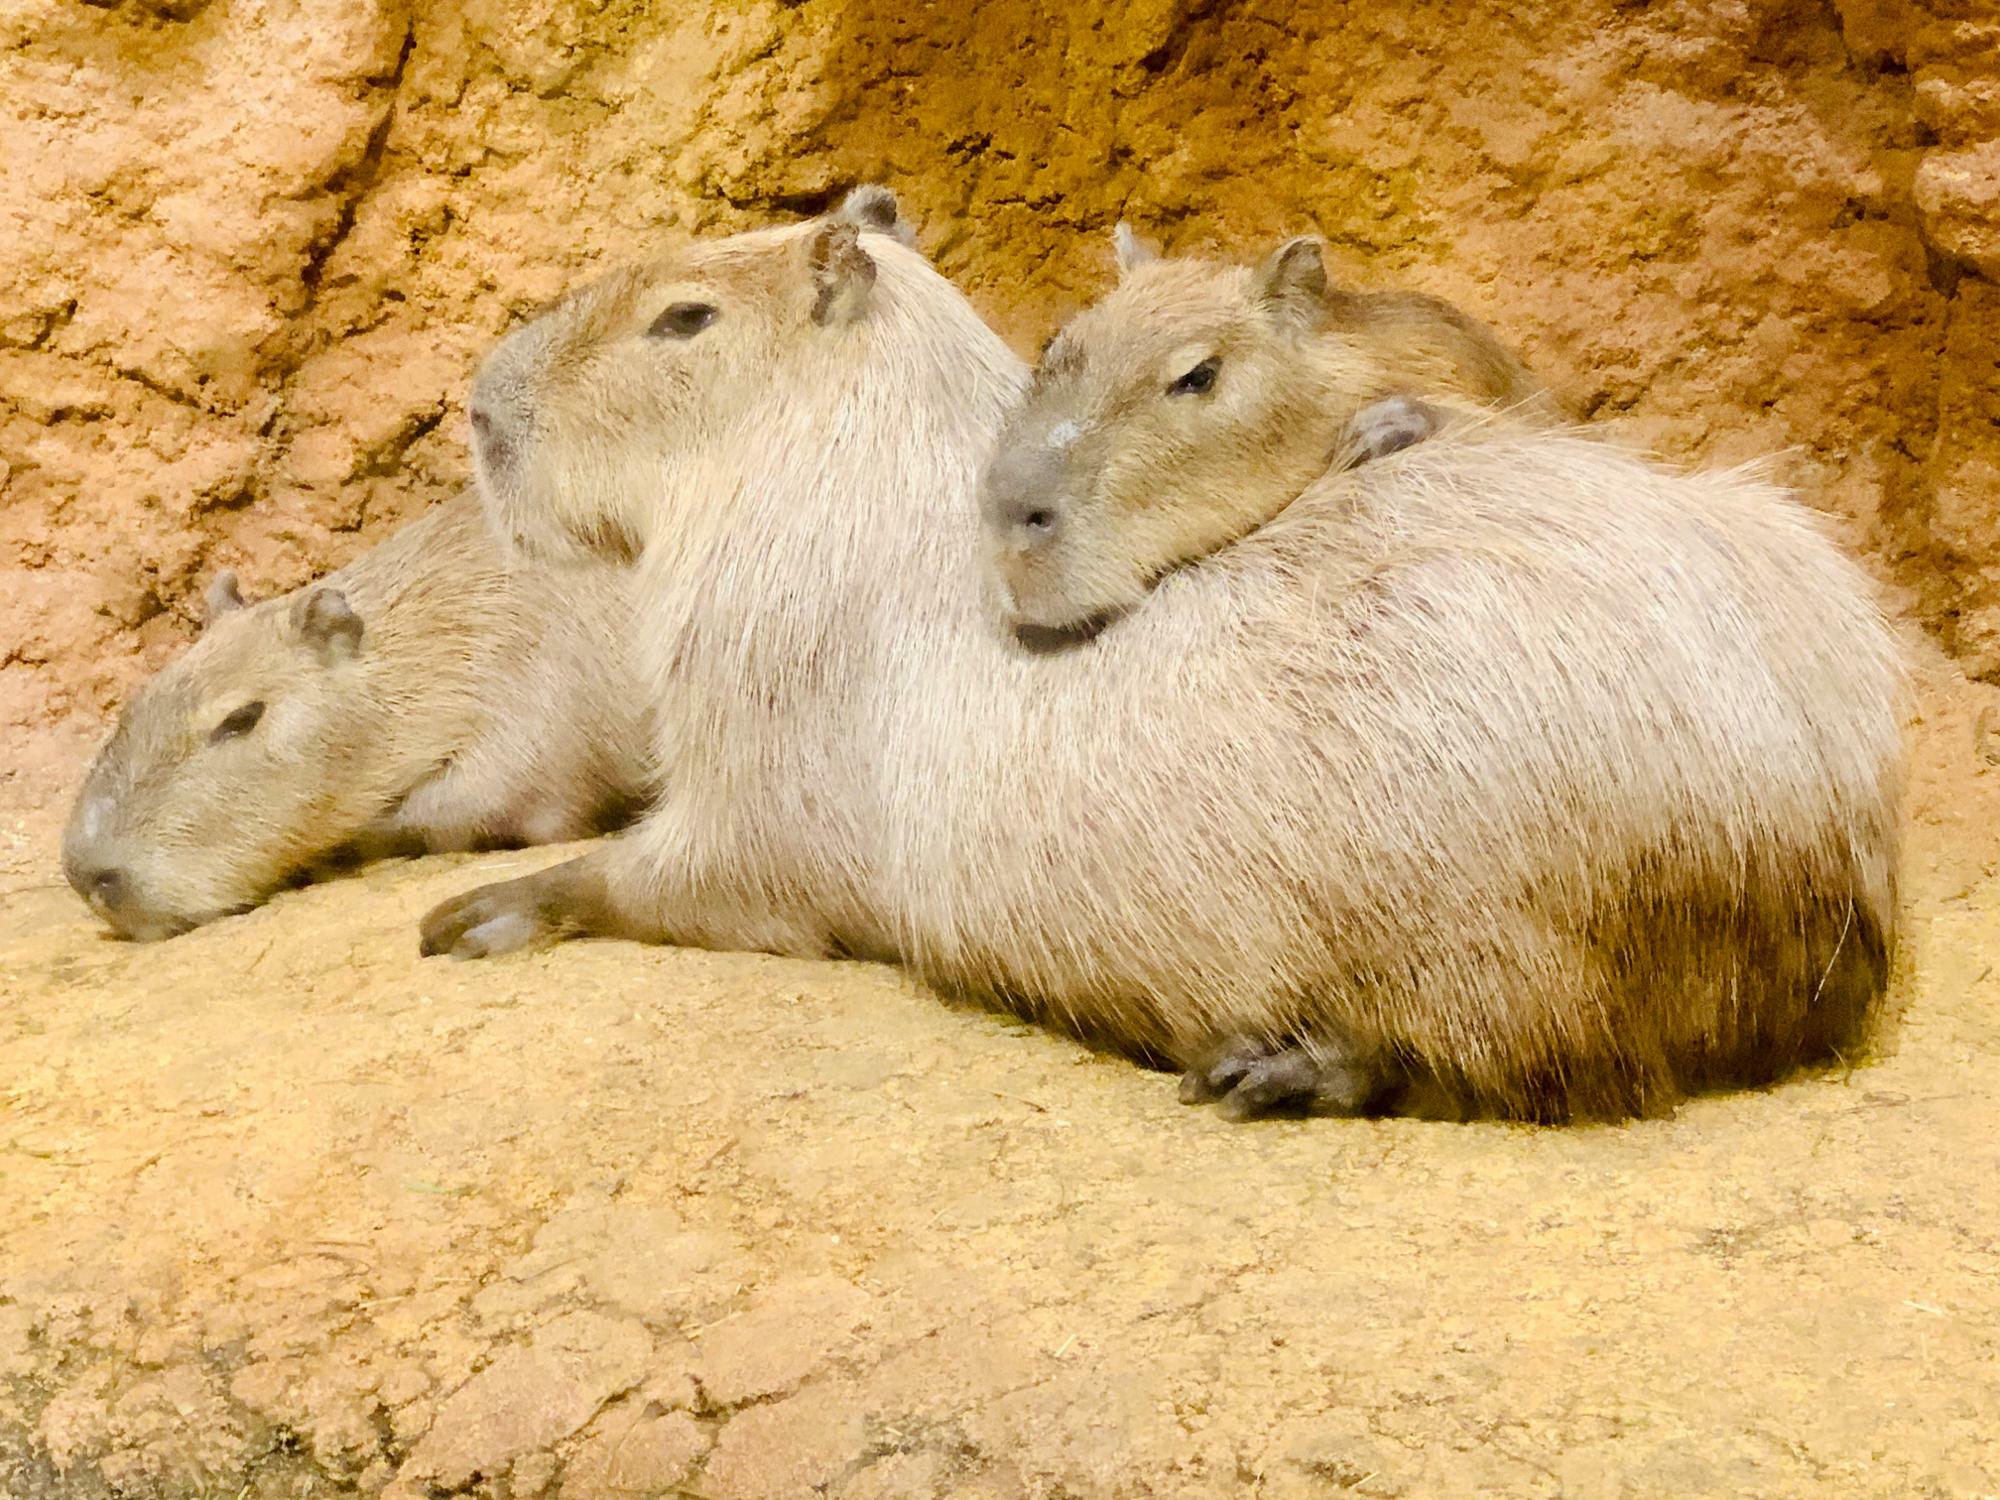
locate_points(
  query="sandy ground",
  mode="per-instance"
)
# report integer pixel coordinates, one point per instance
(286, 1211)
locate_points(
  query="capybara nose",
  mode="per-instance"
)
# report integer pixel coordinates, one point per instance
(1020, 496)
(104, 888)
(1031, 524)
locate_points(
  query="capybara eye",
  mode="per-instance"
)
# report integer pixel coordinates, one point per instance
(242, 721)
(1199, 380)
(683, 320)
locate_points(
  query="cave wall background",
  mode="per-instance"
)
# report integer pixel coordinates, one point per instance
(252, 249)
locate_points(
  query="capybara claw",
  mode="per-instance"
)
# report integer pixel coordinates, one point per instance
(479, 924)
(1251, 1080)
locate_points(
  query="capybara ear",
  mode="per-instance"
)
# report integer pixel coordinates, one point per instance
(842, 273)
(1292, 280)
(223, 596)
(327, 623)
(1130, 249)
(872, 206)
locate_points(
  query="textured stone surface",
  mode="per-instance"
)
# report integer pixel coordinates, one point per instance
(631, 1455)
(1958, 194)
(529, 1397)
(255, 247)
(286, 1211)
(788, 1332)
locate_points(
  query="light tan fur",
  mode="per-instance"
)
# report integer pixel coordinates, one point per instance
(1134, 473)
(1515, 765)
(429, 695)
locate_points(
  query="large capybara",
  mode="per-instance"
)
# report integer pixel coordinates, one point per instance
(431, 695)
(1228, 386)
(1513, 772)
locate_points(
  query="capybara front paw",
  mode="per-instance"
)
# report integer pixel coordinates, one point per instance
(482, 923)
(1252, 1079)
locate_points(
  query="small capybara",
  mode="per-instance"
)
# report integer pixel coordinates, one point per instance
(1516, 772)
(431, 695)
(1228, 385)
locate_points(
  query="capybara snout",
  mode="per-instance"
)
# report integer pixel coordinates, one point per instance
(109, 889)
(1022, 496)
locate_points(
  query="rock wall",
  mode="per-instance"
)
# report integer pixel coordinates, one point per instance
(253, 248)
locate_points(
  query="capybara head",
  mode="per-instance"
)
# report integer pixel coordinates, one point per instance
(226, 769)
(1194, 403)
(682, 350)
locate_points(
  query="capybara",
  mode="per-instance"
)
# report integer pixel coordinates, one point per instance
(1226, 385)
(431, 695)
(1516, 772)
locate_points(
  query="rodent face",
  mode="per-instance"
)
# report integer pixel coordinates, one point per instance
(223, 774)
(582, 415)
(1183, 410)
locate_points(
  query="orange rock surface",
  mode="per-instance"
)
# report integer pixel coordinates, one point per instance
(255, 248)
